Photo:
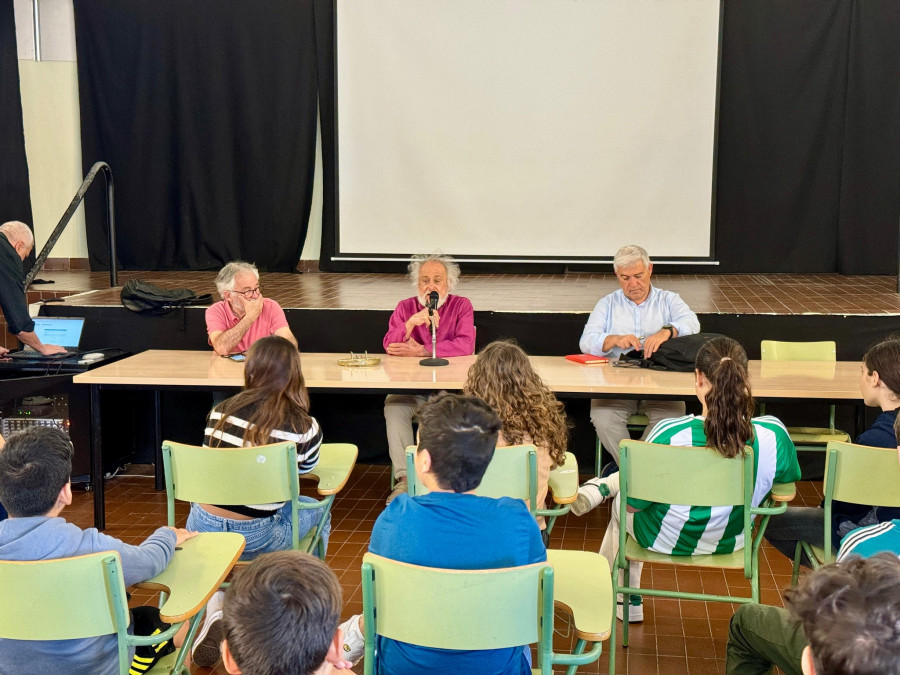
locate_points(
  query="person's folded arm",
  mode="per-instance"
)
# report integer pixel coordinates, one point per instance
(396, 328)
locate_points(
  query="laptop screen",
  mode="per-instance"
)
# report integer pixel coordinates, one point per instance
(62, 331)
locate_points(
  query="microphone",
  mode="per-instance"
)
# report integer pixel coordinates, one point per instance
(432, 302)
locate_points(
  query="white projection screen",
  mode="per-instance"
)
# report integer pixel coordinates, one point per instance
(526, 130)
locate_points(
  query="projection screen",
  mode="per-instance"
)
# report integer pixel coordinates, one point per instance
(526, 130)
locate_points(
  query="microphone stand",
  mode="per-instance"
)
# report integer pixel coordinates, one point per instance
(433, 360)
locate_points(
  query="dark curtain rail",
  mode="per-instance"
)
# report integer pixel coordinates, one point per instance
(67, 216)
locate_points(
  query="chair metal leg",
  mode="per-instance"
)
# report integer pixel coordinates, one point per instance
(612, 640)
(626, 601)
(579, 649)
(795, 573)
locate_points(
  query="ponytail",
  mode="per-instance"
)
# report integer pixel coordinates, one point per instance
(729, 403)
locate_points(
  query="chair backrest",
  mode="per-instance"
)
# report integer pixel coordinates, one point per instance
(685, 475)
(65, 599)
(775, 350)
(861, 474)
(257, 475)
(511, 473)
(457, 609)
(695, 476)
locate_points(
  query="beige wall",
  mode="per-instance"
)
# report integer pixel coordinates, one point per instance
(53, 146)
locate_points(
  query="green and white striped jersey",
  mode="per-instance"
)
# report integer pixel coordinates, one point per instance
(690, 530)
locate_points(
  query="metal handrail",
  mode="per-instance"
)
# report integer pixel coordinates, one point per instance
(67, 216)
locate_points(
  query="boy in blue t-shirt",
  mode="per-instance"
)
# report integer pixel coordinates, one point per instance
(452, 528)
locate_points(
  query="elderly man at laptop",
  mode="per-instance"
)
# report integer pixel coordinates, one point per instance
(15, 245)
(637, 316)
(243, 315)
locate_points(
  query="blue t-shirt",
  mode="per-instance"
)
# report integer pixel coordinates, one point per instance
(463, 532)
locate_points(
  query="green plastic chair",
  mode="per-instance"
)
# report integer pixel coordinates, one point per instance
(858, 474)
(805, 438)
(256, 475)
(489, 609)
(635, 423)
(700, 477)
(513, 473)
(79, 597)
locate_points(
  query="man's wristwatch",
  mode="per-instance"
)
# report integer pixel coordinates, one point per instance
(669, 327)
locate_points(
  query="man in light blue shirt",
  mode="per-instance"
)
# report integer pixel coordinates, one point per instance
(637, 316)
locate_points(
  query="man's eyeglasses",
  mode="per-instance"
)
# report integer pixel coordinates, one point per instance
(249, 293)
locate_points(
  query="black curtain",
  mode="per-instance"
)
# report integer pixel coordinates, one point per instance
(870, 176)
(808, 173)
(206, 113)
(326, 56)
(15, 195)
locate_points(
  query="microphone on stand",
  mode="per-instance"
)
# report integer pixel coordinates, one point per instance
(433, 360)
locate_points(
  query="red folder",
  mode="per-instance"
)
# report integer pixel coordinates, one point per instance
(588, 359)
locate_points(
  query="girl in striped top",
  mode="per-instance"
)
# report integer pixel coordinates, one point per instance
(726, 425)
(272, 407)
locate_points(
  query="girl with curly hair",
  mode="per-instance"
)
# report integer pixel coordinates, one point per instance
(502, 376)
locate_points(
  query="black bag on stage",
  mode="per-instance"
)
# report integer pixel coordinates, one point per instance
(678, 353)
(139, 296)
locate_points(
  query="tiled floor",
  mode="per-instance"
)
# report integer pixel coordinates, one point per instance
(675, 637)
(729, 294)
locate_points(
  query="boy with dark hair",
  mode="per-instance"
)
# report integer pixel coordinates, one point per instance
(850, 613)
(281, 616)
(35, 467)
(452, 528)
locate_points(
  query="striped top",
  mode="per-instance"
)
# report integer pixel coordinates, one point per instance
(232, 434)
(697, 530)
(867, 541)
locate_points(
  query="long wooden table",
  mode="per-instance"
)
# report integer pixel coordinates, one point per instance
(177, 369)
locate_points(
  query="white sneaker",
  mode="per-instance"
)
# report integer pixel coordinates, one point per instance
(635, 609)
(400, 487)
(354, 642)
(590, 495)
(205, 651)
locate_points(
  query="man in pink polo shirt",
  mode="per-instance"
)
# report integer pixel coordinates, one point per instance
(243, 315)
(409, 334)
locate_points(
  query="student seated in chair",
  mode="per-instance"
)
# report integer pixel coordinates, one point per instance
(299, 595)
(879, 384)
(844, 619)
(452, 528)
(726, 425)
(273, 406)
(35, 466)
(761, 636)
(529, 412)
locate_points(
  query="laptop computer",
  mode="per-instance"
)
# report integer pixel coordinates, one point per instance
(62, 331)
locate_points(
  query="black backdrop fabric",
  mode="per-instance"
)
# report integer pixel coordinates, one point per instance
(15, 196)
(206, 113)
(809, 137)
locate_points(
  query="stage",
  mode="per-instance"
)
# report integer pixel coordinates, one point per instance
(545, 313)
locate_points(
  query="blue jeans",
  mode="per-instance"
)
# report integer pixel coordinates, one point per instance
(263, 535)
